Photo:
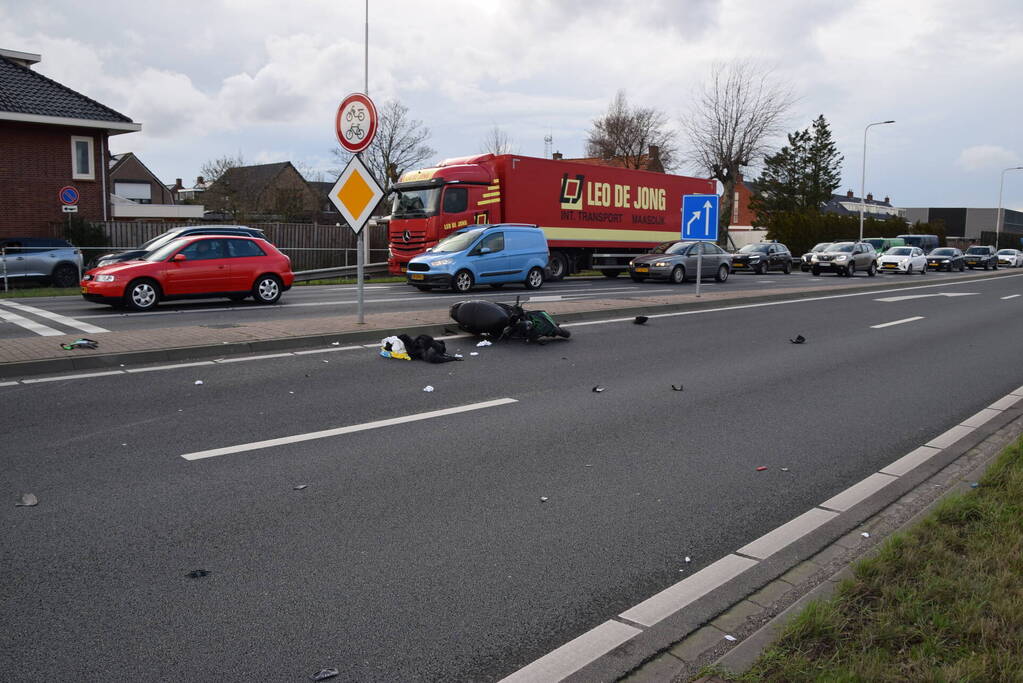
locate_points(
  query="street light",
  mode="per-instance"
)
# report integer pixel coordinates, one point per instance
(998, 216)
(863, 178)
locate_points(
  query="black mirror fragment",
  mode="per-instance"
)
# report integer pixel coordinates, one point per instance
(798, 340)
(640, 319)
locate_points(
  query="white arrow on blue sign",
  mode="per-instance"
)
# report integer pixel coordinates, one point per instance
(700, 217)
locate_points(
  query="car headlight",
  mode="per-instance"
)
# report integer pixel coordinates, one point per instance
(105, 278)
(443, 262)
(660, 264)
(841, 258)
(754, 258)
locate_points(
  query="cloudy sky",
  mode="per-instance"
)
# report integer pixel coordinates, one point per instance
(223, 77)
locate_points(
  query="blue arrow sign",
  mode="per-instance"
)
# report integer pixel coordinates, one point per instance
(700, 217)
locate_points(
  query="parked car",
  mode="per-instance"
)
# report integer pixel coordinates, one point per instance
(804, 261)
(760, 258)
(903, 260)
(926, 242)
(977, 256)
(1013, 258)
(845, 258)
(486, 254)
(195, 267)
(164, 238)
(883, 244)
(51, 261)
(946, 258)
(676, 262)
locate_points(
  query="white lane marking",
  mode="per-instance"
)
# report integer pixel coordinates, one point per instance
(327, 350)
(891, 299)
(1011, 296)
(981, 418)
(677, 596)
(81, 376)
(7, 384)
(534, 299)
(946, 439)
(56, 317)
(858, 492)
(787, 533)
(155, 368)
(897, 322)
(338, 431)
(30, 325)
(242, 359)
(575, 654)
(911, 460)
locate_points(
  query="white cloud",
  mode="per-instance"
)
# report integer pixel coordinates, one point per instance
(986, 157)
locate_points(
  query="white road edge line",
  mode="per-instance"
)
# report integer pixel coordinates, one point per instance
(155, 368)
(897, 322)
(338, 431)
(57, 318)
(30, 325)
(242, 359)
(1011, 296)
(81, 376)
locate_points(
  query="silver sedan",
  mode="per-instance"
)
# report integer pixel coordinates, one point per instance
(676, 262)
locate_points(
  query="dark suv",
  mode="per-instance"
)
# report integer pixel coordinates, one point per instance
(56, 262)
(160, 240)
(763, 257)
(981, 256)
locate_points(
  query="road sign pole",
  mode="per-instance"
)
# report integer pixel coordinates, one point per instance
(699, 269)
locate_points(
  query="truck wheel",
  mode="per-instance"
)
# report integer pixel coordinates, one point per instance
(722, 273)
(557, 266)
(534, 279)
(612, 273)
(461, 282)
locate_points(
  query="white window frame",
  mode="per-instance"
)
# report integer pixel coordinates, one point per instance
(75, 175)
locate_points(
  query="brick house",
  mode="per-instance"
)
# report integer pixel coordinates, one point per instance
(50, 136)
(275, 192)
(137, 194)
(651, 161)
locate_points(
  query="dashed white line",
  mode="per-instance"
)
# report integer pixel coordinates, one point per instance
(897, 322)
(1011, 296)
(56, 317)
(63, 377)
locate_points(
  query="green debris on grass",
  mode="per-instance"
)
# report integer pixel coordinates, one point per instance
(942, 601)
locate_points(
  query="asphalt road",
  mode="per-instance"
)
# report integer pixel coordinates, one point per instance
(316, 301)
(423, 550)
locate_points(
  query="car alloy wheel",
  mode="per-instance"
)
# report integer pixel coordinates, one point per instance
(850, 270)
(462, 282)
(267, 289)
(678, 274)
(722, 273)
(142, 295)
(534, 280)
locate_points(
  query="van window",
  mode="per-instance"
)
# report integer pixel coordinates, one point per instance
(456, 199)
(493, 241)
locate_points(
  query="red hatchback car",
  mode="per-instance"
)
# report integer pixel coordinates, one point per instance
(196, 267)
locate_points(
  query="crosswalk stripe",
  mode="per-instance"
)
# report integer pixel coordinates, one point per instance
(30, 325)
(56, 317)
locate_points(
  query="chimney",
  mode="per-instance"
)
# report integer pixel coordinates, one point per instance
(177, 185)
(199, 182)
(849, 194)
(887, 200)
(557, 156)
(870, 197)
(653, 159)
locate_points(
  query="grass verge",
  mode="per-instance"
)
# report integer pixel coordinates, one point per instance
(348, 281)
(942, 601)
(38, 291)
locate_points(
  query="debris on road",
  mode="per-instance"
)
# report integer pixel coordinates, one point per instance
(300, 487)
(484, 343)
(505, 321)
(974, 485)
(597, 389)
(28, 500)
(335, 343)
(730, 639)
(677, 387)
(640, 320)
(474, 353)
(798, 340)
(423, 347)
(688, 559)
(197, 573)
(544, 499)
(198, 382)
(393, 347)
(427, 388)
(324, 674)
(761, 468)
(865, 535)
(81, 343)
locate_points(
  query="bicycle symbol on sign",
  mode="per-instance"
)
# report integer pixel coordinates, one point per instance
(355, 131)
(357, 114)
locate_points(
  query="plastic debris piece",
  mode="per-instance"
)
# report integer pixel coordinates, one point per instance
(798, 340)
(326, 361)
(677, 387)
(474, 353)
(785, 469)
(427, 388)
(597, 389)
(335, 343)
(198, 382)
(730, 639)
(291, 392)
(300, 487)
(761, 468)
(640, 319)
(458, 355)
(865, 535)
(485, 342)
(81, 343)
(543, 499)
(28, 500)
(587, 465)
(324, 674)
(197, 573)
(974, 485)
(688, 559)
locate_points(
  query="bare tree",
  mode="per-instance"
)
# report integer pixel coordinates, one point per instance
(731, 122)
(626, 133)
(214, 168)
(497, 142)
(399, 145)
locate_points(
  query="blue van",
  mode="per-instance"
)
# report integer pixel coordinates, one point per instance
(486, 254)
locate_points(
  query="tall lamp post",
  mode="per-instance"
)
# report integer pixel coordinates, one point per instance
(998, 216)
(863, 177)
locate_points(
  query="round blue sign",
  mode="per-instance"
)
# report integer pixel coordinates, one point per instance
(68, 195)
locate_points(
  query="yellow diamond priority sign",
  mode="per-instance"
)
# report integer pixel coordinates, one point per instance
(356, 194)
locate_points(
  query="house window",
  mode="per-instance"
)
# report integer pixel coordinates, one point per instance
(140, 193)
(82, 166)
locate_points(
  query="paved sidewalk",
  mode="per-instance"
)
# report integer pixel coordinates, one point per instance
(36, 355)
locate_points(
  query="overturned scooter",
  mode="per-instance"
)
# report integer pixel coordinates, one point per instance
(505, 321)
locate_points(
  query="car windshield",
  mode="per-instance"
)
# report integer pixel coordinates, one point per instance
(460, 241)
(821, 247)
(1007, 252)
(943, 252)
(162, 253)
(900, 251)
(677, 248)
(159, 240)
(841, 246)
(754, 249)
(977, 250)
(415, 203)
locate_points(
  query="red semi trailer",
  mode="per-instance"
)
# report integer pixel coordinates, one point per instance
(594, 217)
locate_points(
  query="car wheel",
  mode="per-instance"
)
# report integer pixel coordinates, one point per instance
(760, 269)
(267, 289)
(995, 266)
(909, 269)
(850, 270)
(987, 267)
(637, 278)
(64, 275)
(612, 273)
(461, 282)
(722, 274)
(787, 268)
(872, 270)
(142, 295)
(816, 272)
(923, 270)
(534, 278)
(805, 268)
(962, 268)
(678, 274)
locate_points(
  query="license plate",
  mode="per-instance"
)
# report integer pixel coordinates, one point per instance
(971, 263)
(933, 263)
(642, 270)
(417, 276)
(889, 265)
(404, 268)
(85, 290)
(738, 265)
